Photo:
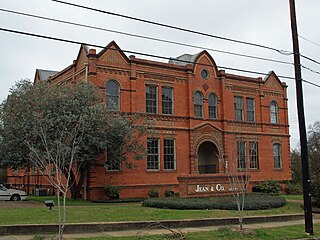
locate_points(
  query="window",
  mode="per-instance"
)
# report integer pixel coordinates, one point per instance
(212, 103)
(274, 112)
(169, 155)
(112, 94)
(152, 154)
(167, 100)
(198, 104)
(250, 109)
(151, 99)
(238, 108)
(277, 156)
(204, 74)
(241, 150)
(253, 154)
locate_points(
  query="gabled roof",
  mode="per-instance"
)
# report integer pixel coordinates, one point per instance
(43, 75)
(86, 50)
(113, 46)
(272, 80)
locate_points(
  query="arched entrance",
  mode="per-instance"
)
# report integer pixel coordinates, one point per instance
(208, 158)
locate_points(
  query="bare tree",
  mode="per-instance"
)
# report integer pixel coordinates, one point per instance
(55, 160)
(238, 172)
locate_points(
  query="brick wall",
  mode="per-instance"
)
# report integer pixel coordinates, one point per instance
(133, 74)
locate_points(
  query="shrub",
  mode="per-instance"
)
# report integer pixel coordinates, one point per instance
(39, 237)
(153, 193)
(269, 187)
(125, 200)
(169, 193)
(252, 202)
(112, 191)
(294, 188)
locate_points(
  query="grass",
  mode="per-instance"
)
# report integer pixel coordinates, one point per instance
(80, 211)
(292, 197)
(276, 233)
(69, 202)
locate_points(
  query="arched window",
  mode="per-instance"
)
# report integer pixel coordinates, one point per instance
(198, 104)
(112, 94)
(277, 162)
(274, 112)
(212, 104)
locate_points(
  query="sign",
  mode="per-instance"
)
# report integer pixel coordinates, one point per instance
(210, 189)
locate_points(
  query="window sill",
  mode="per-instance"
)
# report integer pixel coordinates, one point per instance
(113, 171)
(248, 170)
(243, 170)
(152, 170)
(167, 114)
(278, 169)
(162, 171)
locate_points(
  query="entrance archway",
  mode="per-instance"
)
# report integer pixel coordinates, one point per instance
(208, 158)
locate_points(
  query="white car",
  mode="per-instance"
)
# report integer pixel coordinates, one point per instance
(12, 194)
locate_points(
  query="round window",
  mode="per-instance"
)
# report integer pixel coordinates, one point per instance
(204, 74)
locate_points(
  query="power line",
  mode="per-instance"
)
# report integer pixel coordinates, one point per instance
(314, 115)
(144, 37)
(311, 83)
(127, 51)
(306, 39)
(153, 39)
(310, 59)
(143, 54)
(309, 118)
(284, 52)
(309, 69)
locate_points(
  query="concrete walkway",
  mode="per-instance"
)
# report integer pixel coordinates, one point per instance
(316, 219)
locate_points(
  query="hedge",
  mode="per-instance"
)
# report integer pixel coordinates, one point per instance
(252, 202)
(125, 200)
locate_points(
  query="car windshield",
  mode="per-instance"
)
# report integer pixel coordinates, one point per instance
(2, 188)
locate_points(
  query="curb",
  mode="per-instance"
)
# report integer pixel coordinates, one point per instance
(137, 225)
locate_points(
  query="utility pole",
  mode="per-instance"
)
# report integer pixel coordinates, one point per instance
(302, 124)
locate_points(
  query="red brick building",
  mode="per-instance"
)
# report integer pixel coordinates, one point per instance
(205, 118)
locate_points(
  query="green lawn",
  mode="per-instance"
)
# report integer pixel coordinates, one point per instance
(69, 202)
(292, 197)
(80, 211)
(278, 233)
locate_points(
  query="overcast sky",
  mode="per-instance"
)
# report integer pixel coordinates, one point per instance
(261, 22)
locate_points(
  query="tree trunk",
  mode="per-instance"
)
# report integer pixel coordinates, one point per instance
(77, 185)
(72, 184)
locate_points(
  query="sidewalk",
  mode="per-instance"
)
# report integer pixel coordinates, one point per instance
(316, 219)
